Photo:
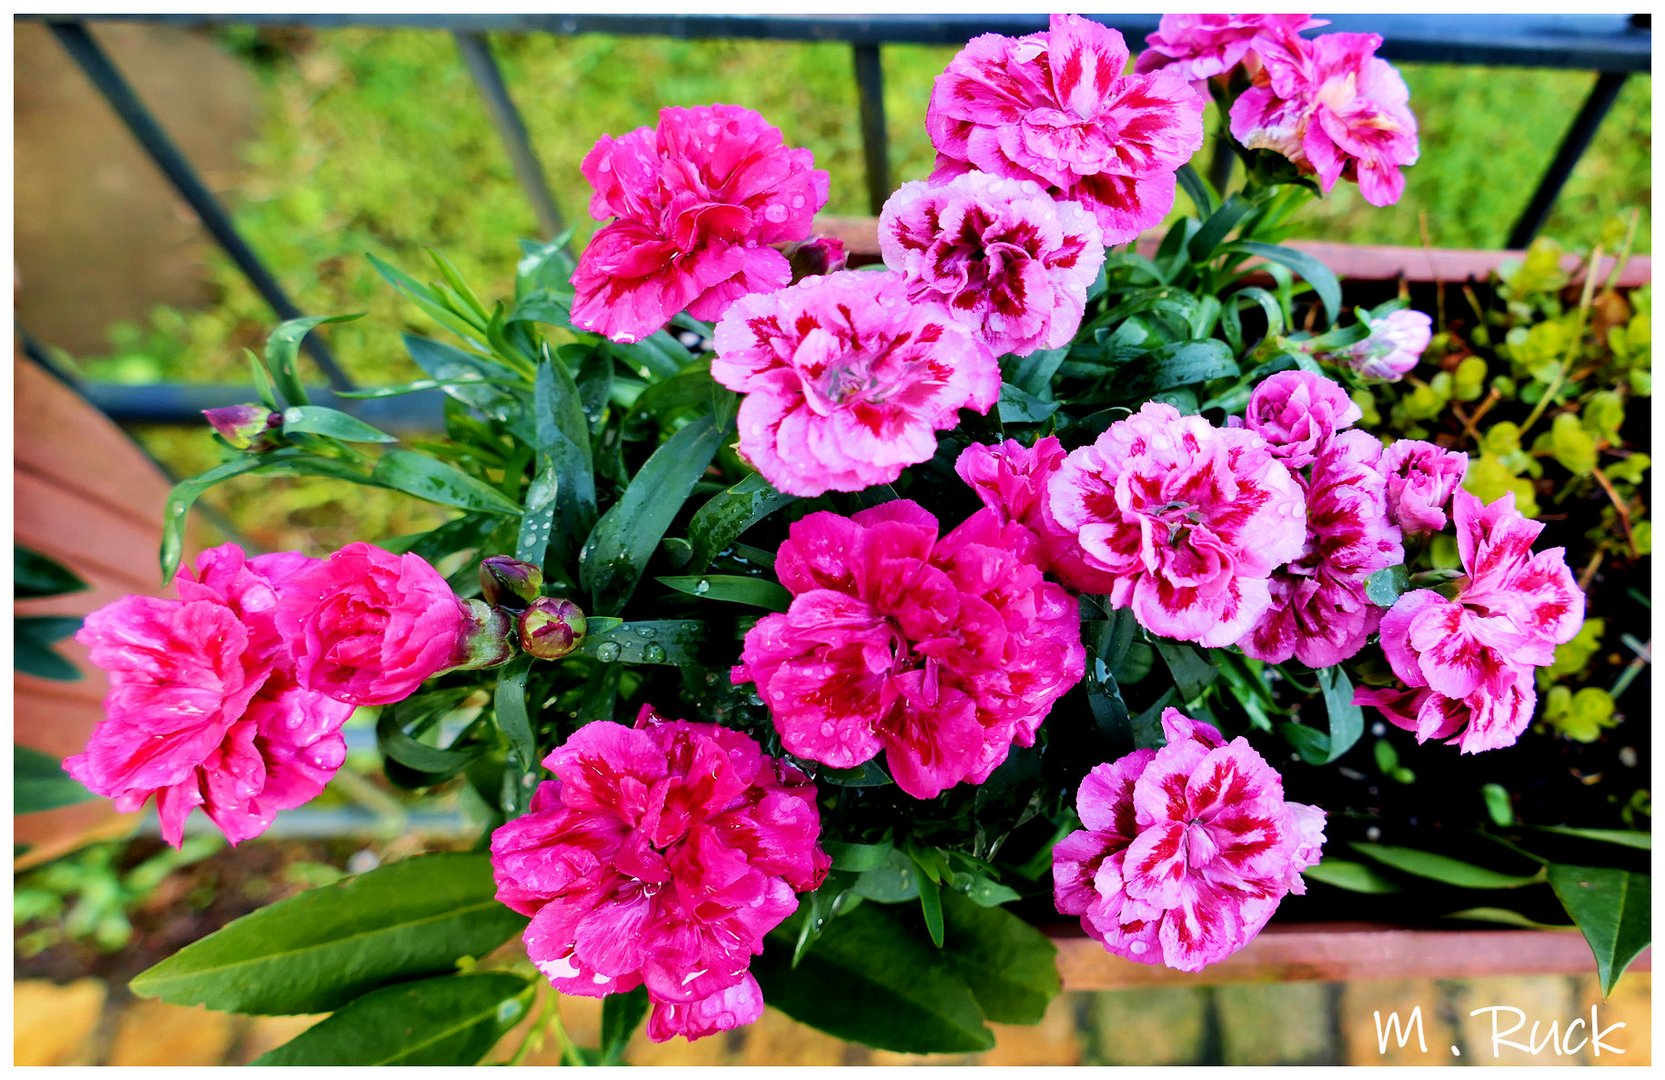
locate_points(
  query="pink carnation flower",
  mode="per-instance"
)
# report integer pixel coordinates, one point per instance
(939, 653)
(1319, 613)
(1011, 480)
(1005, 259)
(1333, 108)
(203, 710)
(1467, 661)
(847, 382)
(1298, 413)
(1421, 478)
(661, 855)
(368, 626)
(1189, 520)
(1396, 343)
(1200, 47)
(697, 201)
(1056, 108)
(1187, 850)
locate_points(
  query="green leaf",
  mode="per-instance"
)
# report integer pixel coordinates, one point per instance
(1498, 805)
(510, 709)
(563, 457)
(721, 520)
(857, 857)
(1384, 586)
(317, 420)
(263, 387)
(1352, 876)
(477, 381)
(40, 783)
(1190, 668)
(35, 575)
(930, 905)
(621, 1015)
(1622, 837)
(434, 763)
(1198, 190)
(1442, 868)
(434, 303)
(1219, 223)
(1033, 374)
(1319, 276)
(451, 1020)
(868, 980)
(426, 478)
(892, 881)
(1610, 908)
(867, 774)
(317, 951)
(1018, 406)
(282, 347)
(184, 494)
(621, 543)
(1503, 917)
(32, 651)
(1183, 363)
(652, 641)
(736, 589)
(1313, 745)
(1346, 718)
(1010, 966)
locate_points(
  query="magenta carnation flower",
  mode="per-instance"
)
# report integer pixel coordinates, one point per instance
(1298, 413)
(1333, 108)
(661, 855)
(1056, 108)
(1187, 850)
(847, 382)
(1189, 520)
(697, 201)
(1200, 47)
(939, 653)
(1421, 478)
(1005, 259)
(1319, 612)
(368, 626)
(203, 709)
(1396, 343)
(1011, 480)
(1467, 661)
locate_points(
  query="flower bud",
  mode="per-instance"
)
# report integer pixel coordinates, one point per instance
(551, 628)
(484, 641)
(814, 258)
(244, 426)
(503, 579)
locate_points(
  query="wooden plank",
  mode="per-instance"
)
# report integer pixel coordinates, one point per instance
(1339, 952)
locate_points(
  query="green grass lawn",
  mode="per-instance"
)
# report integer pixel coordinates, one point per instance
(377, 142)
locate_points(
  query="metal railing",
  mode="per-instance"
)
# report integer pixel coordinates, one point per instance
(1612, 46)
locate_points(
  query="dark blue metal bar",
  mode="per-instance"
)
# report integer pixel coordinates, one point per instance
(420, 412)
(1573, 144)
(476, 54)
(875, 141)
(85, 51)
(1598, 42)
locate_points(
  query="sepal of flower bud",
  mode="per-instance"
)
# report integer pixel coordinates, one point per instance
(552, 628)
(485, 641)
(818, 257)
(503, 580)
(244, 426)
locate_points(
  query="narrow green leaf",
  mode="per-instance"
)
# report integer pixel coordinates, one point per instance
(736, 589)
(1442, 868)
(1010, 966)
(426, 478)
(35, 575)
(479, 382)
(1622, 837)
(1503, 917)
(1316, 274)
(1352, 876)
(1611, 910)
(184, 494)
(857, 857)
(317, 420)
(564, 436)
(1034, 372)
(513, 719)
(867, 774)
(1346, 718)
(281, 350)
(1199, 191)
(617, 552)
(892, 881)
(433, 762)
(1183, 363)
(930, 904)
(32, 641)
(1190, 668)
(652, 641)
(1018, 406)
(621, 1015)
(434, 303)
(451, 1020)
(263, 387)
(317, 951)
(725, 516)
(1219, 223)
(868, 980)
(40, 783)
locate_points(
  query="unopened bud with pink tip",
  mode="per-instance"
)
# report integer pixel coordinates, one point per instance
(505, 581)
(244, 426)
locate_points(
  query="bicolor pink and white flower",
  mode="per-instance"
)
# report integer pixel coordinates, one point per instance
(203, 708)
(1396, 343)
(1056, 108)
(368, 626)
(938, 653)
(696, 202)
(1298, 413)
(1421, 478)
(1319, 613)
(1200, 47)
(847, 381)
(660, 855)
(1187, 519)
(1187, 850)
(1007, 261)
(1467, 660)
(1333, 108)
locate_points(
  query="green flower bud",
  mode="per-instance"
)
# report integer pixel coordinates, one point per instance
(486, 643)
(503, 579)
(551, 628)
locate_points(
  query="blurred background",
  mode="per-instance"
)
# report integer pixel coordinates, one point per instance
(328, 145)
